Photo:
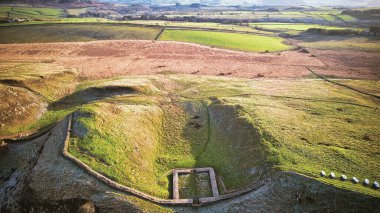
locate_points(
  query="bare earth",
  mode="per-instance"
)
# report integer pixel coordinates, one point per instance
(100, 59)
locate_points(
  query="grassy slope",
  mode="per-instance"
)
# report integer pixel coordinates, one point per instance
(299, 125)
(72, 32)
(234, 41)
(313, 122)
(18, 108)
(126, 156)
(314, 131)
(181, 143)
(318, 135)
(47, 81)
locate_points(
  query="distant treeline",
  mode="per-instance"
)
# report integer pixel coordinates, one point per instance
(334, 32)
(372, 30)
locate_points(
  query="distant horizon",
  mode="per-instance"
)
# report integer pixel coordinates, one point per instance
(340, 3)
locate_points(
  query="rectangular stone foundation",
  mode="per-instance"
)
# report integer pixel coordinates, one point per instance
(214, 187)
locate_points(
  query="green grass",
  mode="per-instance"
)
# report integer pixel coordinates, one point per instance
(47, 79)
(32, 12)
(45, 83)
(296, 26)
(164, 137)
(328, 17)
(122, 155)
(244, 42)
(4, 11)
(347, 18)
(74, 32)
(78, 11)
(209, 25)
(299, 125)
(63, 21)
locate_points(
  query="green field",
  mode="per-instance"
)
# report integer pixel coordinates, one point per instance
(208, 25)
(32, 12)
(235, 41)
(329, 17)
(74, 32)
(297, 26)
(78, 11)
(347, 18)
(4, 11)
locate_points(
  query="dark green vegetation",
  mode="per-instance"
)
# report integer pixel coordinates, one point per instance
(74, 32)
(135, 130)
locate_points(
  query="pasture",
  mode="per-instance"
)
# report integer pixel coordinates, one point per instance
(75, 32)
(206, 25)
(266, 130)
(297, 26)
(32, 12)
(235, 41)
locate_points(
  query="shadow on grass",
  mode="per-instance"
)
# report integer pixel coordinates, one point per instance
(90, 95)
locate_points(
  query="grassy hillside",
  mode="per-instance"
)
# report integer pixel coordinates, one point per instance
(244, 129)
(27, 89)
(235, 41)
(74, 32)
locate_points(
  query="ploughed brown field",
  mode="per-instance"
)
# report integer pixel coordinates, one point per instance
(100, 59)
